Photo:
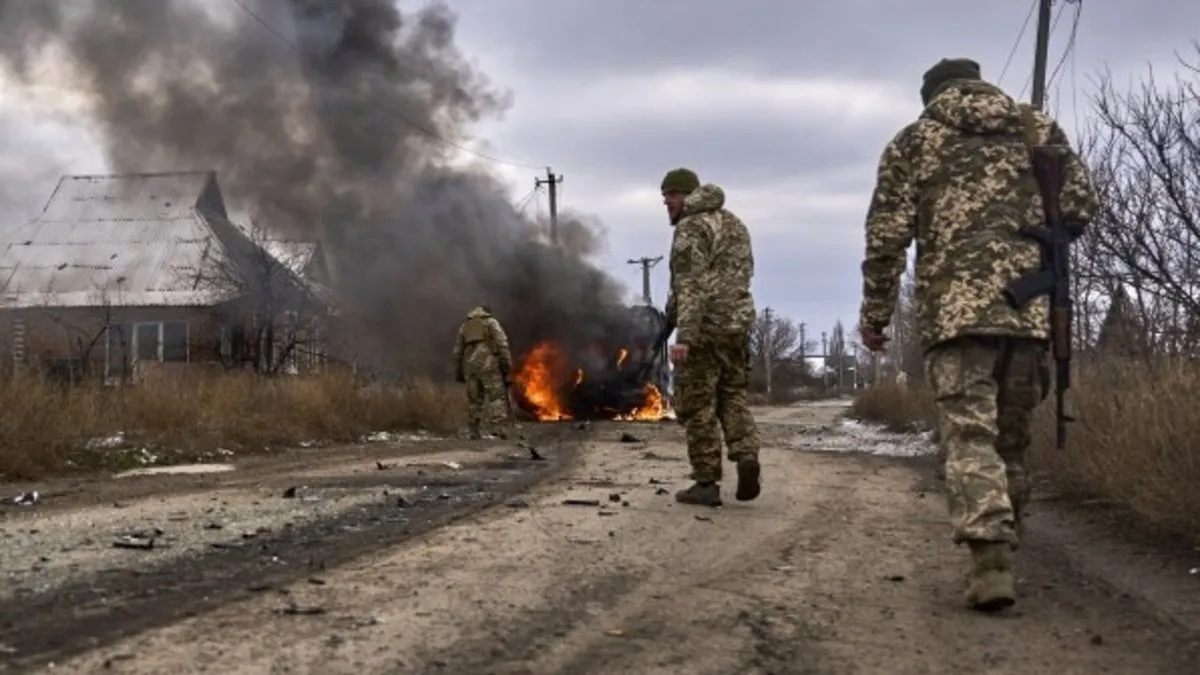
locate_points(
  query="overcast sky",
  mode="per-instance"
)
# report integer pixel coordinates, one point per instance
(785, 105)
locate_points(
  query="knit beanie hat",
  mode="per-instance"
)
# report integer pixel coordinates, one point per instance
(680, 180)
(945, 70)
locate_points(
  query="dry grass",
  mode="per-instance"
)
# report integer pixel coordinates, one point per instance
(1136, 443)
(45, 428)
(898, 408)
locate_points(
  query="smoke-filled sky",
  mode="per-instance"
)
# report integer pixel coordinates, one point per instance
(785, 106)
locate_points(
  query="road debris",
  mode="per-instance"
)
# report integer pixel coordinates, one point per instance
(614, 497)
(27, 498)
(706, 519)
(533, 452)
(581, 502)
(290, 493)
(293, 609)
(112, 661)
(134, 542)
(452, 465)
(627, 437)
(381, 466)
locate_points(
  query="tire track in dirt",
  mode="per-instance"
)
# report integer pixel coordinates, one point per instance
(121, 602)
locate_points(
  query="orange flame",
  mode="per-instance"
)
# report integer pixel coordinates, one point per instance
(654, 409)
(542, 371)
(536, 378)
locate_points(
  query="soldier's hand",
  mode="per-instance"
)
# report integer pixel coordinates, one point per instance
(679, 353)
(873, 339)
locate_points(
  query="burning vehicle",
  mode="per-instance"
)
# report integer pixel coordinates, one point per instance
(617, 373)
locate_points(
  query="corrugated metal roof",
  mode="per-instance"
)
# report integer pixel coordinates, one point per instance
(127, 240)
(294, 255)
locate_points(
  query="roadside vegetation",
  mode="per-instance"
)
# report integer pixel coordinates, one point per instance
(46, 427)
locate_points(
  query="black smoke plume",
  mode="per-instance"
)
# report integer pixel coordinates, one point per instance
(325, 119)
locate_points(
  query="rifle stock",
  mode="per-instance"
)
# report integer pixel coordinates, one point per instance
(660, 341)
(1053, 277)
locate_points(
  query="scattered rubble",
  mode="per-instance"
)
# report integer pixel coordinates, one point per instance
(27, 498)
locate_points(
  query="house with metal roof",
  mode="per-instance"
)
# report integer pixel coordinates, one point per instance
(121, 274)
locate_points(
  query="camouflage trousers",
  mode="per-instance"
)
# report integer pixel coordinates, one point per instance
(986, 391)
(487, 400)
(710, 400)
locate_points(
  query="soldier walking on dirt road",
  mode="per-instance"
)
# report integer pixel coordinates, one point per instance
(959, 181)
(710, 304)
(483, 361)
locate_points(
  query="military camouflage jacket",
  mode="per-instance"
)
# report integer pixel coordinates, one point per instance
(959, 181)
(712, 265)
(481, 329)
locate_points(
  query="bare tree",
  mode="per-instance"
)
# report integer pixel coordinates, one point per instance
(275, 317)
(1143, 148)
(904, 354)
(774, 337)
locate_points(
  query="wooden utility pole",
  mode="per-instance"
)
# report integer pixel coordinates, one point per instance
(825, 358)
(767, 338)
(552, 182)
(647, 264)
(1040, 54)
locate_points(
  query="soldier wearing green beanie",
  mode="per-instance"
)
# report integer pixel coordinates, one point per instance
(710, 303)
(958, 182)
(943, 72)
(682, 181)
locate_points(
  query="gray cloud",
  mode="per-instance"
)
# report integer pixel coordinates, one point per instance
(554, 59)
(798, 167)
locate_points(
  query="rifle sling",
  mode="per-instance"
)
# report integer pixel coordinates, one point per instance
(1030, 135)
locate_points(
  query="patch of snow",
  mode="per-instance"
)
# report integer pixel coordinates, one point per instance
(389, 437)
(108, 442)
(180, 469)
(854, 436)
(825, 403)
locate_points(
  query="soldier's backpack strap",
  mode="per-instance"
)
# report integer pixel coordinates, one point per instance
(1029, 123)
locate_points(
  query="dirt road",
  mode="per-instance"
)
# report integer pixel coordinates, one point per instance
(842, 566)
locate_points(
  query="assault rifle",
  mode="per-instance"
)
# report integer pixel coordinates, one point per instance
(660, 341)
(1053, 278)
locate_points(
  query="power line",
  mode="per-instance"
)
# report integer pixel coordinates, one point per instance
(523, 205)
(1029, 79)
(1070, 48)
(431, 134)
(1017, 42)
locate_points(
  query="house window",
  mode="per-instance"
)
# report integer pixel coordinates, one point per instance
(165, 341)
(175, 341)
(65, 370)
(117, 351)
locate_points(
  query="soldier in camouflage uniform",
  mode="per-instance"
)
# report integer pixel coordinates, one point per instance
(959, 181)
(713, 310)
(482, 361)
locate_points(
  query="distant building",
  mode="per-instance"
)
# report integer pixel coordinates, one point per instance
(123, 274)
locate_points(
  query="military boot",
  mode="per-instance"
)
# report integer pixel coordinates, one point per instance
(700, 494)
(473, 433)
(749, 479)
(992, 585)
